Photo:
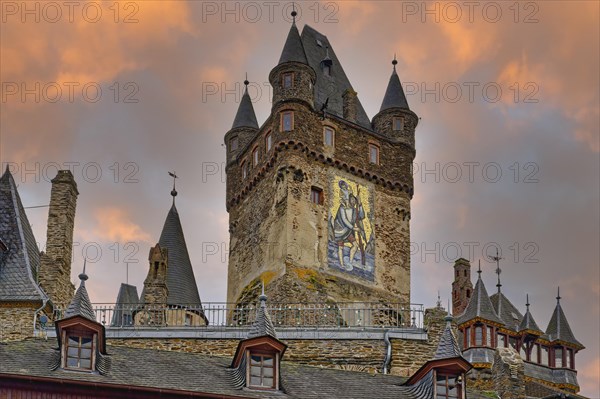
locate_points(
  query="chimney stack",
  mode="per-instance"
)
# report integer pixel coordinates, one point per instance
(55, 268)
(349, 104)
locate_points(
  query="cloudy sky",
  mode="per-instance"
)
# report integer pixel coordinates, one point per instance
(507, 148)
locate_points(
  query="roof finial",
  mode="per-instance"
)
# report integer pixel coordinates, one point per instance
(527, 304)
(497, 259)
(82, 275)
(558, 298)
(395, 62)
(439, 301)
(448, 317)
(294, 13)
(246, 83)
(479, 269)
(262, 298)
(173, 192)
(127, 273)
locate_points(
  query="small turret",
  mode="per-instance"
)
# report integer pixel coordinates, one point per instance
(395, 119)
(293, 79)
(244, 127)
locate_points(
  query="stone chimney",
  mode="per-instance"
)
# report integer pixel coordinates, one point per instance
(155, 292)
(350, 105)
(508, 373)
(55, 265)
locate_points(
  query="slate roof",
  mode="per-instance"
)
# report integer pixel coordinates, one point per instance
(448, 345)
(394, 94)
(19, 265)
(559, 329)
(180, 275)
(202, 373)
(245, 116)
(509, 314)
(127, 301)
(480, 306)
(293, 51)
(80, 304)
(262, 325)
(334, 86)
(528, 323)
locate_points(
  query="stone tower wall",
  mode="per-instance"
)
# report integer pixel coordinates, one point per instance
(462, 287)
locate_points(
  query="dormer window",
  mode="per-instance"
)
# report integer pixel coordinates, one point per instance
(448, 386)
(327, 70)
(287, 80)
(262, 371)
(78, 350)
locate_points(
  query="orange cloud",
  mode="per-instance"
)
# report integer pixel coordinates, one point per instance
(113, 224)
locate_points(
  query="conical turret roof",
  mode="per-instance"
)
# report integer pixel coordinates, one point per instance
(479, 305)
(448, 345)
(293, 50)
(245, 116)
(558, 328)
(263, 324)
(528, 323)
(394, 94)
(180, 275)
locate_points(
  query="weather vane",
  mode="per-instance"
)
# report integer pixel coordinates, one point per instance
(173, 192)
(497, 259)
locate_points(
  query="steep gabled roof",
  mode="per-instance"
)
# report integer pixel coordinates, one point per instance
(559, 329)
(479, 305)
(394, 94)
(180, 275)
(504, 308)
(80, 304)
(19, 264)
(448, 345)
(329, 87)
(293, 50)
(245, 116)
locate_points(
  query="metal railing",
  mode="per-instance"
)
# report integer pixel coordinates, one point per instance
(314, 315)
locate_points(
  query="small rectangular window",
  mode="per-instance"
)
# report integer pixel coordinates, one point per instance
(468, 337)
(569, 362)
(398, 123)
(78, 352)
(233, 144)
(558, 357)
(447, 387)
(488, 337)
(544, 359)
(268, 141)
(501, 343)
(374, 154)
(316, 195)
(478, 336)
(534, 355)
(288, 80)
(244, 170)
(262, 371)
(255, 156)
(287, 121)
(328, 136)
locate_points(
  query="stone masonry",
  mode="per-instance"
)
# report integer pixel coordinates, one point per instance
(55, 263)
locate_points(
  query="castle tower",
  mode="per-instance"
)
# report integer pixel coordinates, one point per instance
(55, 265)
(319, 197)
(462, 287)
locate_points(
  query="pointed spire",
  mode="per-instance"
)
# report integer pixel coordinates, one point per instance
(80, 304)
(263, 324)
(448, 345)
(559, 328)
(293, 50)
(245, 116)
(181, 281)
(480, 305)
(528, 323)
(394, 94)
